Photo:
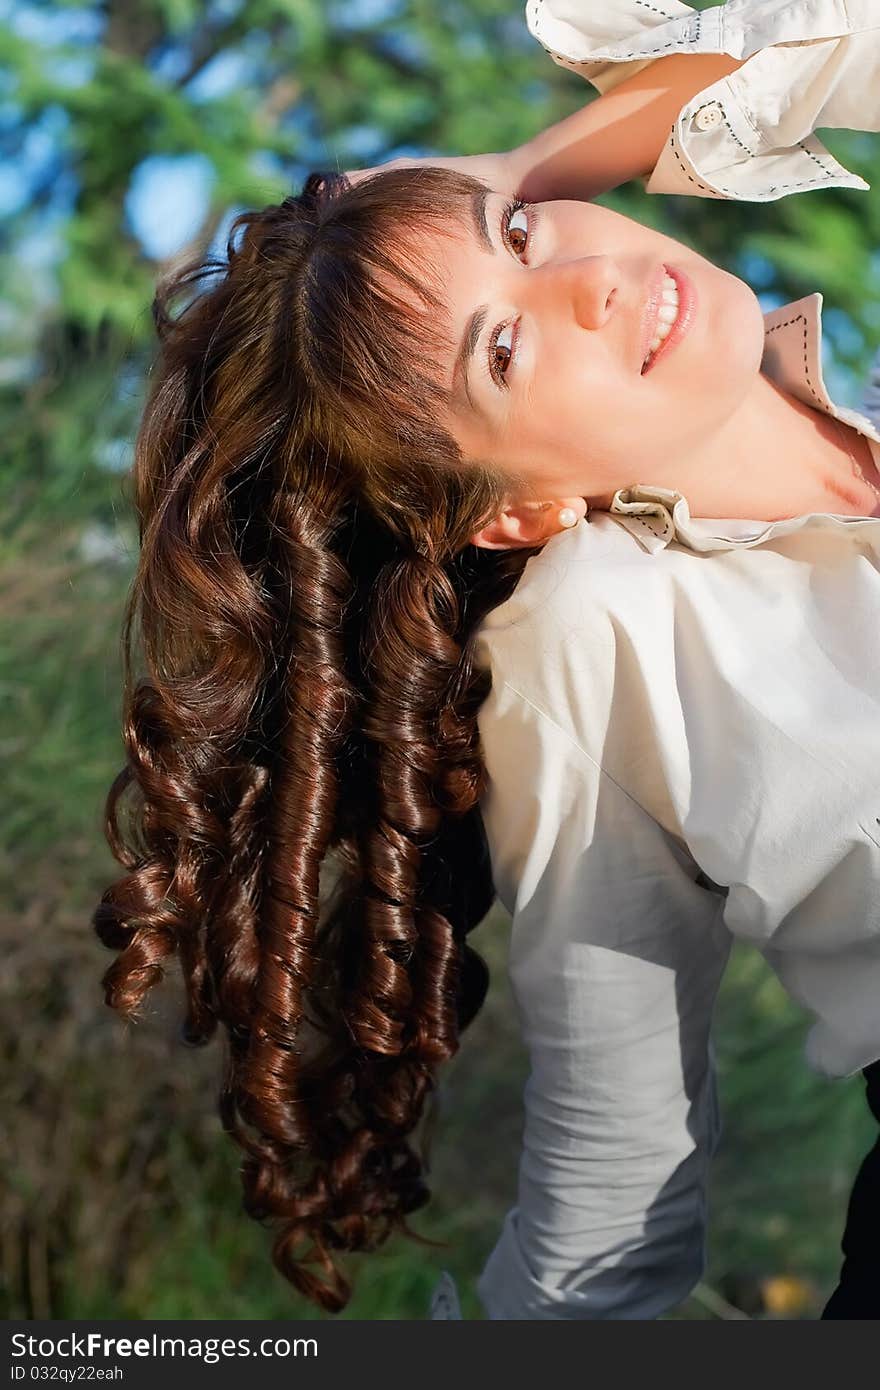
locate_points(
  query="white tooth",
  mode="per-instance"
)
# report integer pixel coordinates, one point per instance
(670, 296)
(666, 317)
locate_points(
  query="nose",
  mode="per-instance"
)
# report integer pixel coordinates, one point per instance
(585, 286)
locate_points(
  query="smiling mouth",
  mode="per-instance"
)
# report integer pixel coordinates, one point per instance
(668, 312)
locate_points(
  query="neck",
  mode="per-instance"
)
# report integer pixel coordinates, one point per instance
(778, 457)
(828, 465)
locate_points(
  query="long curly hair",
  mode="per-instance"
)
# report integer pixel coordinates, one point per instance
(300, 692)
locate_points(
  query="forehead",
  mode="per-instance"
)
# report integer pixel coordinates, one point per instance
(433, 255)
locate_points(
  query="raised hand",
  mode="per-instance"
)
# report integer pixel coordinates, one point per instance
(498, 171)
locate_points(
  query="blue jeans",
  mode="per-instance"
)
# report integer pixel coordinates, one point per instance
(858, 1293)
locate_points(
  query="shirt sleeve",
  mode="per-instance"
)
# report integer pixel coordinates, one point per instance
(749, 136)
(616, 956)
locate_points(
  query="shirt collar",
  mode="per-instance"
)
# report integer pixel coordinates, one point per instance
(793, 359)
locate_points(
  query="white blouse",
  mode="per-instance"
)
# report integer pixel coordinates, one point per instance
(683, 747)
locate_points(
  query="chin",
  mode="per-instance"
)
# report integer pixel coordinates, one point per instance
(739, 324)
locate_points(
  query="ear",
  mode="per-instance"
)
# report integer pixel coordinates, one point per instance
(526, 523)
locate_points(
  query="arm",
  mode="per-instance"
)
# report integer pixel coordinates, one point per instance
(617, 136)
(744, 132)
(730, 113)
(615, 960)
(613, 138)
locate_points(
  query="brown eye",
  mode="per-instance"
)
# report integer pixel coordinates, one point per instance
(502, 352)
(502, 357)
(518, 236)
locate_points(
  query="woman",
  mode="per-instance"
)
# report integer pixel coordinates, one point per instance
(405, 614)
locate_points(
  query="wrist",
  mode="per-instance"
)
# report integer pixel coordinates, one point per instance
(518, 165)
(499, 171)
(568, 160)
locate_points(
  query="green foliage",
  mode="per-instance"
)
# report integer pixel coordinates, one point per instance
(122, 1197)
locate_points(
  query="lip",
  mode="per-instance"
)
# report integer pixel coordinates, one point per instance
(687, 308)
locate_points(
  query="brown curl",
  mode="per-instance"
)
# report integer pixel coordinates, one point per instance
(303, 617)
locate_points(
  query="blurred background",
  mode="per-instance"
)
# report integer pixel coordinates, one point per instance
(131, 132)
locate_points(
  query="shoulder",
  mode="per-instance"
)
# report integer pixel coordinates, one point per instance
(581, 629)
(577, 572)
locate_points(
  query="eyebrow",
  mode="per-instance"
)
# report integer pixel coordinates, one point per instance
(474, 326)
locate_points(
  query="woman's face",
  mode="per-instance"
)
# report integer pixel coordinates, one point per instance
(569, 407)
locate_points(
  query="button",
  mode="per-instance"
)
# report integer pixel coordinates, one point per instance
(709, 117)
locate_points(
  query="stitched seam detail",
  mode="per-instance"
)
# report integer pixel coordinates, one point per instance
(733, 193)
(809, 153)
(637, 57)
(801, 319)
(684, 169)
(645, 6)
(648, 53)
(715, 102)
